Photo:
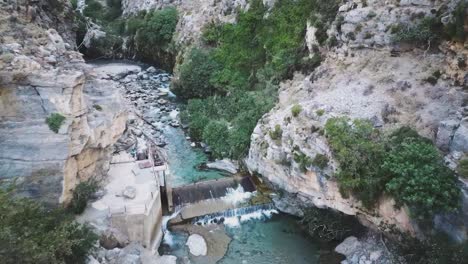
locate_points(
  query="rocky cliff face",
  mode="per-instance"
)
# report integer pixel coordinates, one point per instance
(366, 76)
(39, 75)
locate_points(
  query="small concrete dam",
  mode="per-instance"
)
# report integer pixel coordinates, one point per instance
(212, 197)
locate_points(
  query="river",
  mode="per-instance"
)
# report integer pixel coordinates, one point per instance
(260, 237)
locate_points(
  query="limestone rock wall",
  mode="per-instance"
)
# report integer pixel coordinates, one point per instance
(367, 76)
(40, 74)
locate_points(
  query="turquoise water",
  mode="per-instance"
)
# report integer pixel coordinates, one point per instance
(184, 159)
(278, 240)
(274, 241)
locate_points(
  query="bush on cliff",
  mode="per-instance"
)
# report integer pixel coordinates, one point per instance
(81, 195)
(403, 164)
(32, 234)
(419, 178)
(356, 146)
(195, 76)
(55, 121)
(154, 37)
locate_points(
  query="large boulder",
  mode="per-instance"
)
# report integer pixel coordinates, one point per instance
(197, 245)
(113, 238)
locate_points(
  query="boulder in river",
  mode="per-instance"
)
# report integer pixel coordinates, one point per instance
(224, 165)
(197, 245)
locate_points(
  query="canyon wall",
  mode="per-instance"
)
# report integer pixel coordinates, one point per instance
(367, 76)
(40, 75)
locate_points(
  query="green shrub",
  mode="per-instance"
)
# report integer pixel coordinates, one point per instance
(462, 168)
(320, 112)
(296, 110)
(153, 39)
(456, 28)
(420, 180)
(97, 107)
(195, 75)
(215, 135)
(404, 164)
(30, 233)
(302, 160)
(277, 133)
(81, 195)
(158, 28)
(212, 33)
(320, 161)
(356, 146)
(428, 30)
(55, 121)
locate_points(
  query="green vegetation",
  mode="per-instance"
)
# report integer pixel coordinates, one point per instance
(403, 164)
(55, 121)
(195, 76)
(424, 32)
(320, 112)
(97, 12)
(296, 110)
(302, 159)
(356, 147)
(462, 168)
(456, 28)
(277, 133)
(215, 135)
(236, 79)
(157, 29)
(320, 161)
(420, 179)
(430, 28)
(31, 234)
(149, 33)
(97, 107)
(81, 195)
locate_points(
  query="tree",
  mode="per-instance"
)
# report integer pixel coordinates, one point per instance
(420, 180)
(215, 135)
(356, 146)
(195, 76)
(30, 233)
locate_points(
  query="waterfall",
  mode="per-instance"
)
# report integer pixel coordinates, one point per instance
(237, 195)
(234, 217)
(168, 238)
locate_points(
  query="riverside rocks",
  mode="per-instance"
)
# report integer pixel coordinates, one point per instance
(367, 250)
(224, 165)
(197, 245)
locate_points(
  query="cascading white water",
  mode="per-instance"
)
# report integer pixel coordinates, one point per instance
(237, 195)
(168, 238)
(235, 217)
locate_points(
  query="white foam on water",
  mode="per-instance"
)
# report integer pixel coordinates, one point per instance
(236, 220)
(168, 237)
(237, 195)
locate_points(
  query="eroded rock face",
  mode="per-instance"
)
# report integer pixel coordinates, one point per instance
(363, 78)
(43, 75)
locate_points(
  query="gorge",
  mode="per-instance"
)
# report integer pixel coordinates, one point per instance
(331, 109)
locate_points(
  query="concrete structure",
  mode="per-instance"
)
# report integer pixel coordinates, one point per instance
(140, 218)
